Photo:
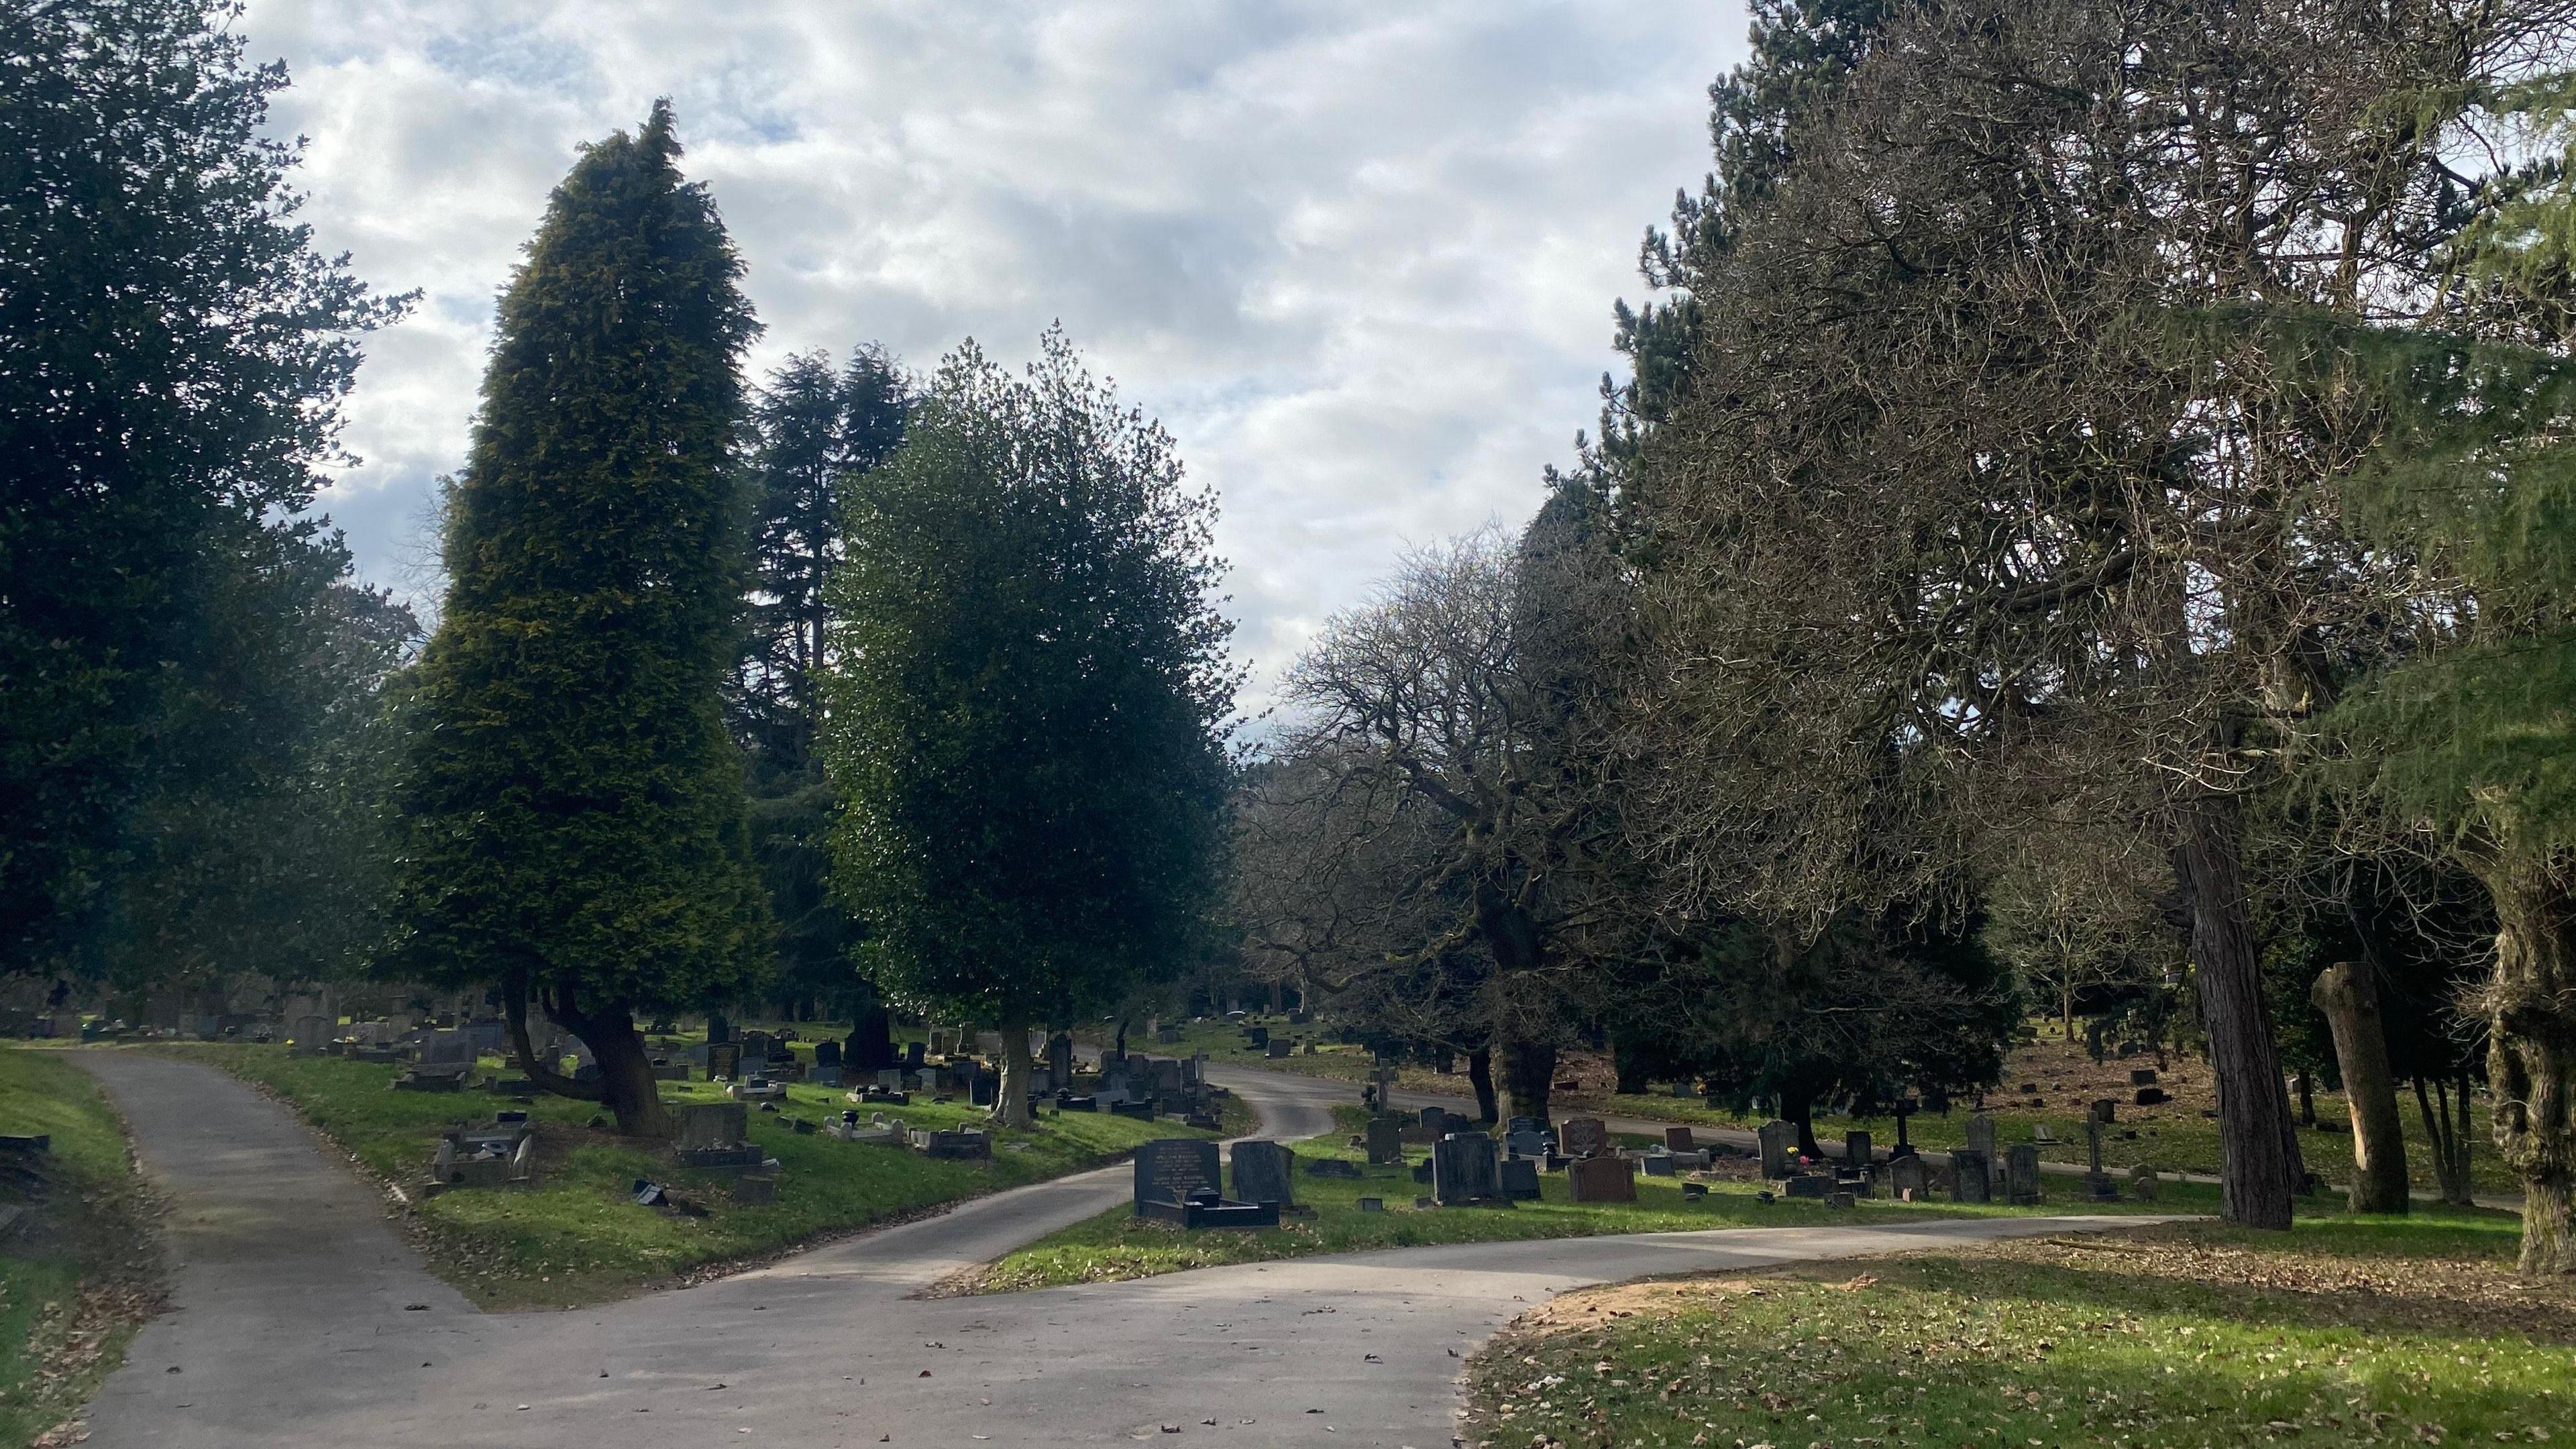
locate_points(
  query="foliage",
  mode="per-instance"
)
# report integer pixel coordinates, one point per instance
(173, 354)
(1027, 686)
(572, 812)
(813, 431)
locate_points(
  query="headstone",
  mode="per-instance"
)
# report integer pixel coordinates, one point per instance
(1332, 1167)
(2021, 1174)
(1262, 1172)
(756, 1049)
(1971, 1177)
(724, 1061)
(1981, 1136)
(2143, 1181)
(1658, 1164)
(959, 1144)
(1168, 1036)
(1059, 1057)
(1525, 1144)
(1583, 1137)
(2106, 1111)
(1170, 1169)
(311, 1034)
(1372, 1204)
(1601, 1179)
(1520, 1179)
(827, 1053)
(2143, 1077)
(1256, 1037)
(1385, 1142)
(1856, 1149)
(1465, 1167)
(1817, 1185)
(1779, 1144)
(1679, 1139)
(447, 1046)
(1282, 1048)
(914, 1055)
(1909, 1179)
(1526, 1124)
(2150, 1097)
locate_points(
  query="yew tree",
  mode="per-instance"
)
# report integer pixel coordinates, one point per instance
(571, 815)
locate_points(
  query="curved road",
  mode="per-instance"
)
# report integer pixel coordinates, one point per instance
(303, 1319)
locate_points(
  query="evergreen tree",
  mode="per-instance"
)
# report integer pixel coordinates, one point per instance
(572, 815)
(814, 431)
(1027, 685)
(173, 353)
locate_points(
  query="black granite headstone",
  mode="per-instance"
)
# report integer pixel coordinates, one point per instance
(1262, 1173)
(1170, 1169)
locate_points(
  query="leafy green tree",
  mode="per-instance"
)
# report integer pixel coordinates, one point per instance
(1027, 688)
(813, 431)
(572, 812)
(173, 353)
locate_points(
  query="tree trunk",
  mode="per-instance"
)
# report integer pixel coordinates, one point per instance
(2258, 1146)
(514, 1007)
(2066, 1005)
(2307, 1085)
(1529, 1073)
(1011, 1103)
(1480, 1075)
(626, 1082)
(1798, 1109)
(2349, 997)
(2449, 1141)
(2530, 1006)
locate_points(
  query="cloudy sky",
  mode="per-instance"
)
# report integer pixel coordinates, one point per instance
(1358, 257)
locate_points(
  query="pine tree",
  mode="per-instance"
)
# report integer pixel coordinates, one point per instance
(572, 818)
(1026, 690)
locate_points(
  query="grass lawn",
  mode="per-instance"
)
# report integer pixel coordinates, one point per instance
(78, 1276)
(580, 1237)
(1117, 1244)
(2343, 1331)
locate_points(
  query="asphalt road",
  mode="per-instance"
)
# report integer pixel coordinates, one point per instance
(303, 1320)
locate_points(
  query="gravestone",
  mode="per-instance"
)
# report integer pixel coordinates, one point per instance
(312, 1033)
(1981, 1136)
(1332, 1167)
(1679, 1139)
(447, 1046)
(915, 1056)
(870, 1047)
(1525, 1144)
(1465, 1168)
(1779, 1143)
(1817, 1185)
(827, 1053)
(1909, 1179)
(755, 1049)
(956, 1144)
(1168, 1036)
(1658, 1164)
(1601, 1179)
(2150, 1097)
(1970, 1177)
(1262, 1171)
(1280, 1049)
(1583, 1137)
(2097, 1183)
(2106, 1111)
(1385, 1142)
(1520, 1179)
(2143, 1077)
(2021, 1174)
(1526, 1124)
(724, 1061)
(1257, 1037)
(2143, 1181)
(714, 1135)
(1856, 1149)
(1171, 1168)
(1059, 1058)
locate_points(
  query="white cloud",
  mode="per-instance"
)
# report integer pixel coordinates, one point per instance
(1358, 258)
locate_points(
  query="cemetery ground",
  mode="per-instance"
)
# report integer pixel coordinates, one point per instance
(1117, 1244)
(2179, 1136)
(2342, 1331)
(77, 1274)
(579, 1236)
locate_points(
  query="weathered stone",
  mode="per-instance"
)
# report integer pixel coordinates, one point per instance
(1263, 1172)
(1465, 1167)
(1601, 1179)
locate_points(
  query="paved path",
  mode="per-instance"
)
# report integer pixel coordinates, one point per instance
(293, 1327)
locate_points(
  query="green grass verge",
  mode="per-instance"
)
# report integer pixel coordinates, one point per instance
(78, 1276)
(579, 1236)
(1117, 1244)
(2340, 1332)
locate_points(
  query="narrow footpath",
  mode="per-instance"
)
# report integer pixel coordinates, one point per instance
(303, 1321)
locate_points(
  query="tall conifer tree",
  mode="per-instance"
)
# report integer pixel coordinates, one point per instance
(572, 820)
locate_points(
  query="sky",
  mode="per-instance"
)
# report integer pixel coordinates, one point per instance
(1359, 258)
